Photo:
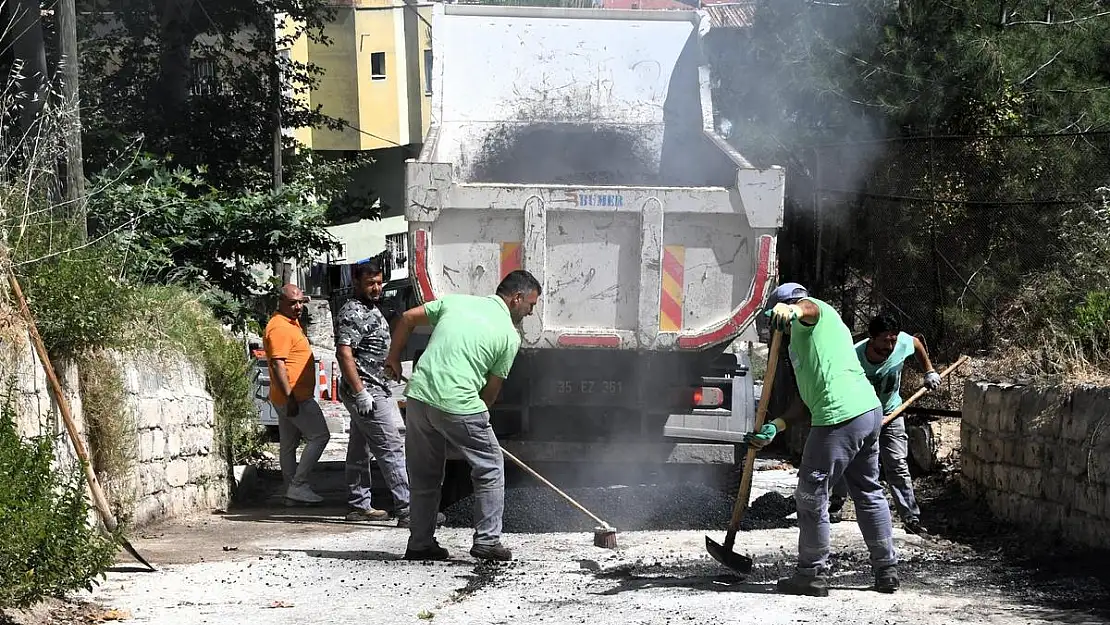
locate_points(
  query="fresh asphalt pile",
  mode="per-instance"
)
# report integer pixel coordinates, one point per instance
(679, 506)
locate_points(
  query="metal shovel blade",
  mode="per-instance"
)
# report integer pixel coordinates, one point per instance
(740, 564)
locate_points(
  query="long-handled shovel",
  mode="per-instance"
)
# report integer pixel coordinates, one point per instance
(723, 553)
(100, 501)
(921, 391)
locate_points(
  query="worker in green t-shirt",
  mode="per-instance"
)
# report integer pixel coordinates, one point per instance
(882, 356)
(458, 377)
(846, 418)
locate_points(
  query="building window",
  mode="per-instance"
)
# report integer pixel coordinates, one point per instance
(427, 72)
(397, 245)
(283, 73)
(205, 79)
(377, 66)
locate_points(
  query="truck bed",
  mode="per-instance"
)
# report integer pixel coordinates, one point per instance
(587, 155)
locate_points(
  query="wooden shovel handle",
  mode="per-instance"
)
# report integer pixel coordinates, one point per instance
(745, 492)
(99, 499)
(921, 391)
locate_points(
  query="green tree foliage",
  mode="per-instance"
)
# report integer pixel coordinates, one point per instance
(809, 72)
(198, 80)
(172, 227)
(48, 548)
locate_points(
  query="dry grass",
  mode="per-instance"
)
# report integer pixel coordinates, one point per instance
(110, 426)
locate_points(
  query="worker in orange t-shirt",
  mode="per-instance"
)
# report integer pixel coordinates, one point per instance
(292, 386)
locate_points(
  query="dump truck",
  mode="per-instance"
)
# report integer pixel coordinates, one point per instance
(580, 145)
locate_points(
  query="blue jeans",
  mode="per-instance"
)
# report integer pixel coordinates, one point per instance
(848, 450)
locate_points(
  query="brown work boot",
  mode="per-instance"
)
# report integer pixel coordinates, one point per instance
(491, 552)
(373, 514)
(805, 585)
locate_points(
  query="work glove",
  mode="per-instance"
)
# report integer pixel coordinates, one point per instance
(782, 315)
(364, 401)
(766, 434)
(932, 380)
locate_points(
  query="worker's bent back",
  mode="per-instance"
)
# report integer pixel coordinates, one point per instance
(473, 337)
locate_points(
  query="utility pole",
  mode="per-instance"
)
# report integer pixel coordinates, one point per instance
(71, 121)
(279, 267)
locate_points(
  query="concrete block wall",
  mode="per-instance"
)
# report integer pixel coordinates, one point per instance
(1041, 457)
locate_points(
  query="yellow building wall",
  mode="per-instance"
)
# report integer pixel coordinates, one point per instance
(298, 52)
(378, 107)
(425, 12)
(379, 98)
(337, 90)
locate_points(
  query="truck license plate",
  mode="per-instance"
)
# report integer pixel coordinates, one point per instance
(588, 387)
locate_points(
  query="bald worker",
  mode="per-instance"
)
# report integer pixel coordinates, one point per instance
(292, 386)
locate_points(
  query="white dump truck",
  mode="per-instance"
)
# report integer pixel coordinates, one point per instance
(579, 144)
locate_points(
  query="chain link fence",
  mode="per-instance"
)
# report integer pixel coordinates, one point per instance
(943, 232)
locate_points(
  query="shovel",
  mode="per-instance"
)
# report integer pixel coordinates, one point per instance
(100, 501)
(742, 564)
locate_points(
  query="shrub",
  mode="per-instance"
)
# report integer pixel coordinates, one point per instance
(48, 546)
(78, 301)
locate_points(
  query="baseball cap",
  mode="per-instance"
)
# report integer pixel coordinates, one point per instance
(785, 292)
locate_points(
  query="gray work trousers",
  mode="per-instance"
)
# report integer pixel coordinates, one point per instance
(429, 432)
(848, 450)
(309, 424)
(894, 453)
(381, 435)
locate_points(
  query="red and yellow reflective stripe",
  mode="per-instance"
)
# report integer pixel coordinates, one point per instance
(512, 257)
(670, 296)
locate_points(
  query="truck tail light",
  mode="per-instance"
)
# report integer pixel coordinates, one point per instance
(708, 397)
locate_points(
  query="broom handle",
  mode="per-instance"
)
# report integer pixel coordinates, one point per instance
(528, 469)
(553, 487)
(921, 391)
(99, 500)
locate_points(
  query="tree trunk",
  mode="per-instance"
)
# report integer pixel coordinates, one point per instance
(74, 170)
(30, 51)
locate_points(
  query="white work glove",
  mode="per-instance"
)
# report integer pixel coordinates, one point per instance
(364, 401)
(782, 315)
(932, 380)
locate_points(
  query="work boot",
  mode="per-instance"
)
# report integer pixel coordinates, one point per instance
(301, 493)
(805, 585)
(435, 552)
(886, 579)
(373, 514)
(491, 552)
(403, 518)
(836, 506)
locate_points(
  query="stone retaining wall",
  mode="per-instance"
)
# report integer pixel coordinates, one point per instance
(177, 467)
(1041, 457)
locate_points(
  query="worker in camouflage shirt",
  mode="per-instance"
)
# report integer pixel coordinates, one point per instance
(362, 343)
